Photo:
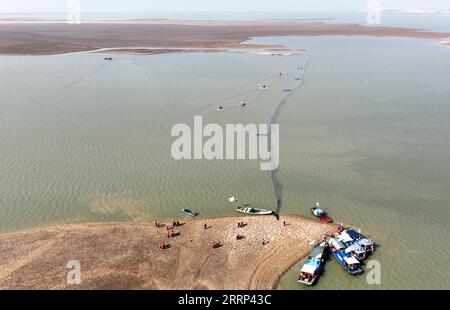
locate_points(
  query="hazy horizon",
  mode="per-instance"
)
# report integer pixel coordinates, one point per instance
(204, 6)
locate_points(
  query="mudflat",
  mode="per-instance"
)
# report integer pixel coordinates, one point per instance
(126, 255)
(53, 37)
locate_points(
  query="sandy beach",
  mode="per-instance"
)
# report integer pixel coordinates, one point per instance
(126, 255)
(54, 37)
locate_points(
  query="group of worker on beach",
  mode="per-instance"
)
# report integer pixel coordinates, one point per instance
(171, 233)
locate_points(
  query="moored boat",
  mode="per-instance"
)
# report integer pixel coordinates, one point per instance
(253, 211)
(360, 240)
(356, 251)
(243, 208)
(190, 212)
(348, 262)
(313, 266)
(321, 214)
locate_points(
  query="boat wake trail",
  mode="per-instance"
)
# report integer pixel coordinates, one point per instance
(276, 185)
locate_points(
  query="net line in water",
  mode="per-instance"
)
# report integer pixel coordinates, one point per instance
(276, 184)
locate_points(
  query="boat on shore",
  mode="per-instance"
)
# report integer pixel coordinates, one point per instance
(321, 214)
(347, 261)
(313, 266)
(190, 212)
(253, 211)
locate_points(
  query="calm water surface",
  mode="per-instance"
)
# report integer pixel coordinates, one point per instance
(368, 135)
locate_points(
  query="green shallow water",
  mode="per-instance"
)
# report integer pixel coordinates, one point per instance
(367, 135)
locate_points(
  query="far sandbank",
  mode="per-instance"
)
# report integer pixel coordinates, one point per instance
(55, 37)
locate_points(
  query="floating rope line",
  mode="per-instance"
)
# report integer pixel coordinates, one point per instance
(276, 185)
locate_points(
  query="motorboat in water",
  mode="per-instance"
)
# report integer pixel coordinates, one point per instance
(347, 261)
(356, 251)
(190, 212)
(321, 214)
(313, 266)
(243, 208)
(360, 240)
(253, 211)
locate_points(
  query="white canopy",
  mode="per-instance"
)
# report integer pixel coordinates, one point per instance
(345, 237)
(308, 269)
(351, 260)
(318, 212)
(366, 242)
(336, 244)
(232, 199)
(354, 248)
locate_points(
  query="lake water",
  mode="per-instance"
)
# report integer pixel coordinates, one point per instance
(367, 135)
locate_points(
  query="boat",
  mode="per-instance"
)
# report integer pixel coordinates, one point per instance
(253, 211)
(243, 208)
(320, 214)
(347, 261)
(220, 108)
(353, 245)
(313, 266)
(190, 212)
(356, 251)
(360, 240)
(242, 104)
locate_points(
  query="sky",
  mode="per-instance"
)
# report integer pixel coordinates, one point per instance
(180, 6)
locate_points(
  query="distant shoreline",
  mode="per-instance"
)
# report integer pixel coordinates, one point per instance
(56, 37)
(125, 255)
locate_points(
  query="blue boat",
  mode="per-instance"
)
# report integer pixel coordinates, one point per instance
(352, 246)
(349, 237)
(313, 266)
(190, 212)
(347, 261)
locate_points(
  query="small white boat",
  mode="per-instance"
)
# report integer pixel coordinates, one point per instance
(248, 210)
(220, 108)
(242, 104)
(253, 211)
